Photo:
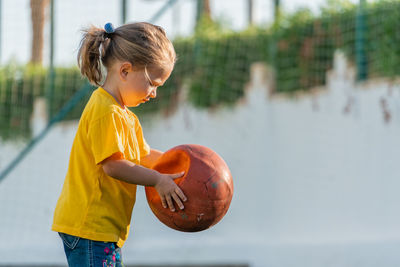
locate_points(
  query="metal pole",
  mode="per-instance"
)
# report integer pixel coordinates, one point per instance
(162, 10)
(250, 4)
(272, 47)
(70, 104)
(58, 117)
(361, 57)
(124, 10)
(51, 76)
(1, 25)
(52, 49)
(199, 11)
(277, 6)
(52, 34)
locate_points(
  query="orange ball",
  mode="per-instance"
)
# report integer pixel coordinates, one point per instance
(207, 184)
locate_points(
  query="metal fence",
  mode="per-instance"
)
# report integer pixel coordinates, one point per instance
(214, 61)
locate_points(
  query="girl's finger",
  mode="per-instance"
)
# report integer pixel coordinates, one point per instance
(178, 201)
(180, 193)
(170, 203)
(177, 175)
(163, 202)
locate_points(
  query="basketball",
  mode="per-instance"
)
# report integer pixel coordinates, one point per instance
(207, 184)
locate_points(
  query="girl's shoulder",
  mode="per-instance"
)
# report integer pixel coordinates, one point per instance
(131, 113)
(101, 105)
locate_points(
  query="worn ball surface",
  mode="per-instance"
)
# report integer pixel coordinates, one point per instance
(207, 184)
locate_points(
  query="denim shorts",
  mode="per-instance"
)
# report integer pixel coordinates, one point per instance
(82, 252)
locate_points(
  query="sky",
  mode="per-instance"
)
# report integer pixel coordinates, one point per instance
(73, 15)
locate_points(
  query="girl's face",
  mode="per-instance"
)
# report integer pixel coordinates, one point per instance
(140, 85)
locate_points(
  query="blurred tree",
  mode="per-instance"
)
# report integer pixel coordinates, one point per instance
(203, 11)
(38, 18)
(336, 6)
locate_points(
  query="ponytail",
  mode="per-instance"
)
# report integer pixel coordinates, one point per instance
(93, 46)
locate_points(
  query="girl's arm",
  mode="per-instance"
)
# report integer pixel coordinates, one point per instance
(119, 168)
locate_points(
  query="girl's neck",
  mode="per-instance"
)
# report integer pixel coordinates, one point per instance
(114, 92)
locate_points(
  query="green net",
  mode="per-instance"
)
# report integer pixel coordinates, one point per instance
(214, 63)
(19, 88)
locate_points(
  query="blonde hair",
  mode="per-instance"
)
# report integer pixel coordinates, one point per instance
(142, 44)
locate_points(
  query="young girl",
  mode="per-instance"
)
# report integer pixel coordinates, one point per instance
(109, 156)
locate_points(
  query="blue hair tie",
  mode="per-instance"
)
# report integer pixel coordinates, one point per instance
(109, 28)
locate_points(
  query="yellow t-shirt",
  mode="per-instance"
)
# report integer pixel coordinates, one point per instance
(93, 205)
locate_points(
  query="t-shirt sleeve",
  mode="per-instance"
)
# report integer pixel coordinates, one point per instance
(106, 136)
(143, 145)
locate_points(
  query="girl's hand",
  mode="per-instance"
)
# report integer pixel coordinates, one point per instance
(168, 190)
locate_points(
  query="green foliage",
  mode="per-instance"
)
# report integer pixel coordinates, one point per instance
(334, 7)
(18, 87)
(214, 64)
(383, 28)
(222, 67)
(300, 17)
(210, 29)
(66, 82)
(304, 49)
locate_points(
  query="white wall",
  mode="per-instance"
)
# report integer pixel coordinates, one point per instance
(315, 175)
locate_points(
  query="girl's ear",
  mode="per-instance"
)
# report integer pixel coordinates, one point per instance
(124, 69)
